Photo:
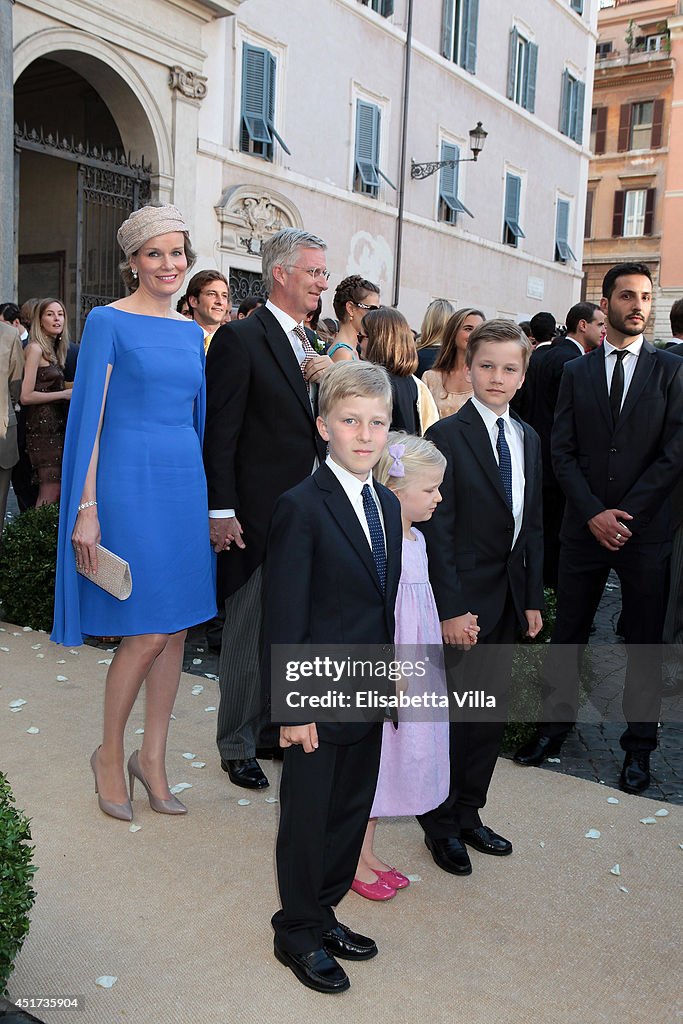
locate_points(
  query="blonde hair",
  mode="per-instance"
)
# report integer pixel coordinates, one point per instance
(448, 355)
(353, 380)
(390, 341)
(419, 455)
(498, 330)
(437, 315)
(53, 350)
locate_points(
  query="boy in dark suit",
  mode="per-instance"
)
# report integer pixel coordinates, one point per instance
(485, 547)
(331, 576)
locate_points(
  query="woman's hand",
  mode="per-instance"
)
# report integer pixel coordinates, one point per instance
(85, 538)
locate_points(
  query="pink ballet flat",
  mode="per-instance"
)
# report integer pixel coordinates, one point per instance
(393, 878)
(378, 890)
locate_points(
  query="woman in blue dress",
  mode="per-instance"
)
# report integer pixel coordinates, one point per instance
(133, 480)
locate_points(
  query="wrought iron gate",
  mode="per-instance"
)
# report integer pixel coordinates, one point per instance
(110, 186)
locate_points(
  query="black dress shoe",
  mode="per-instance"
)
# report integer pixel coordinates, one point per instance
(635, 775)
(317, 969)
(347, 945)
(450, 855)
(486, 840)
(538, 749)
(245, 772)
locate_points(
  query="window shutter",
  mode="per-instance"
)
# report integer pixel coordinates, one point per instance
(470, 21)
(256, 92)
(618, 215)
(588, 222)
(367, 140)
(448, 182)
(657, 123)
(271, 70)
(624, 128)
(601, 130)
(649, 211)
(530, 103)
(564, 103)
(447, 26)
(579, 104)
(577, 5)
(513, 187)
(512, 63)
(563, 250)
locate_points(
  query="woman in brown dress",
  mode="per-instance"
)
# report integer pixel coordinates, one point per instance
(45, 394)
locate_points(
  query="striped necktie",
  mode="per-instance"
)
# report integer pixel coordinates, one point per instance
(309, 352)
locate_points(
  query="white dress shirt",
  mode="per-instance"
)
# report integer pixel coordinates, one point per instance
(514, 435)
(353, 489)
(629, 363)
(287, 323)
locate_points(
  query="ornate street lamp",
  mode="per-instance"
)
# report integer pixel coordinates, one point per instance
(477, 139)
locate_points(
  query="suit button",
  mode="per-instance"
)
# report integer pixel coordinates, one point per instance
(611, 479)
(613, 451)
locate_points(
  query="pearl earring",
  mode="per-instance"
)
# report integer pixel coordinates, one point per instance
(133, 271)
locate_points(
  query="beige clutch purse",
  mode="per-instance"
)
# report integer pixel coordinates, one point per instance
(113, 574)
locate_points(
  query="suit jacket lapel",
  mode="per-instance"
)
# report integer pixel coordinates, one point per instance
(529, 467)
(478, 439)
(644, 366)
(595, 365)
(340, 507)
(283, 353)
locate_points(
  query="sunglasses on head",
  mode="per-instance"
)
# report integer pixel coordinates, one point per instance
(364, 305)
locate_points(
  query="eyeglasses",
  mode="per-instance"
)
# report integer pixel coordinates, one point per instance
(314, 272)
(364, 305)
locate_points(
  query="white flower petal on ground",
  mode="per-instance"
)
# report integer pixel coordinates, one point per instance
(542, 845)
(74, 652)
(40, 655)
(61, 661)
(211, 708)
(135, 828)
(271, 799)
(616, 870)
(28, 629)
(62, 679)
(661, 813)
(196, 661)
(173, 718)
(14, 710)
(592, 833)
(105, 661)
(199, 764)
(18, 703)
(139, 732)
(36, 647)
(5, 649)
(612, 800)
(414, 878)
(243, 802)
(106, 981)
(200, 650)
(189, 757)
(648, 821)
(16, 634)
(553, 760)
(180, 787)
(196, 690)
(33, 731)
(622, 888)
(209, 675)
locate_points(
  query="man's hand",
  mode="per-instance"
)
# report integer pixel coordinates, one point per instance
(609, 528)
(315, 367)
(460, 631)
(224, 532)
(534, 622)
(305, 736)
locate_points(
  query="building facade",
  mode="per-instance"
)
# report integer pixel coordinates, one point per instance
(251, 115)
(634, 206)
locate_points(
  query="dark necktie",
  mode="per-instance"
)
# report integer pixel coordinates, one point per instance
(504, 461)
(376, 534)
(309, 351)
(616, 390)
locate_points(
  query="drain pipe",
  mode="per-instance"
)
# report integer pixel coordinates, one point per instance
(402, 169)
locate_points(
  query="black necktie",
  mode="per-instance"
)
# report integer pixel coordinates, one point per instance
(376, 534)
(504, 461)
(616, 391)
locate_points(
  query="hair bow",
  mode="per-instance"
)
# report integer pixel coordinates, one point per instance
(397, 451)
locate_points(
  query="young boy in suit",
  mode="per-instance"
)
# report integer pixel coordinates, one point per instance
(485, 547)
(331, 576)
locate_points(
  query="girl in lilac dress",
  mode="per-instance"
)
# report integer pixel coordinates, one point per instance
(414, 767)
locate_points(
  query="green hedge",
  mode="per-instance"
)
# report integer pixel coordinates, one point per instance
(28, 554)
(16, 874)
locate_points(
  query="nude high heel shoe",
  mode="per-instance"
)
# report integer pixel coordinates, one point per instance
(172, 806)
(124, 812)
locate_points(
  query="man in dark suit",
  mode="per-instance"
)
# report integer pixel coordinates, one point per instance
(673, 625)
(585, 328)
(485, 550)
(260, 440)
(617, 452)
(330, 578)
